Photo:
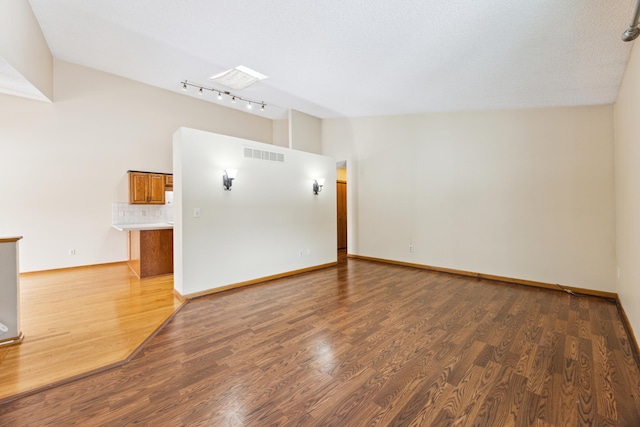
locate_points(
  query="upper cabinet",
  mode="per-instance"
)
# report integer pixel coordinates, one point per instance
(146, 188)
(168, 182)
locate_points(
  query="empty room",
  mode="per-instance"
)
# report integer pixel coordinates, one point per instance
(319, 213)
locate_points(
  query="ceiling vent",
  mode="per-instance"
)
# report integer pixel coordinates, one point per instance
(238, 78)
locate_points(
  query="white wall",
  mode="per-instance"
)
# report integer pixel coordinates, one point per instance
(259, 227)
(627, 159)
(305, 132)
(64, 163)
(524, 194)
(22, 45)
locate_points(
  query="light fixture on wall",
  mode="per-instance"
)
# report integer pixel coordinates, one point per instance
(222, 93)
(317, 185)
(228, 177)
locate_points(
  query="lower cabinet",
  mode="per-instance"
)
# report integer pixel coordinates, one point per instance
(151, 252)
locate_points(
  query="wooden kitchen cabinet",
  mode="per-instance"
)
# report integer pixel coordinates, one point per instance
(146, 188)
(168, 182)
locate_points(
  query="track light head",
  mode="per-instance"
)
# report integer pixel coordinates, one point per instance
(184, 86)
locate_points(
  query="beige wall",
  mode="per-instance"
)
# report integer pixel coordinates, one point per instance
(23, 46)
(627, 159)
(281, 133)
(525, 194)
(305, 132)
(64, 163)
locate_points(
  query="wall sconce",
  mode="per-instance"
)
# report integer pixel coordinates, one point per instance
(317, 185)
(228, 177)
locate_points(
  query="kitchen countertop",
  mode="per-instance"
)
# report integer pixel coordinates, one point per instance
(150, 226)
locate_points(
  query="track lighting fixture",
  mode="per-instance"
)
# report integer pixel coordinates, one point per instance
(221, 93)
(633, 31)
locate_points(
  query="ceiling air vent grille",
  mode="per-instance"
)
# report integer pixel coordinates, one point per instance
(252, 153)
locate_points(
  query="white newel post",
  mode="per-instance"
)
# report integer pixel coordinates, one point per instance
(9, 292)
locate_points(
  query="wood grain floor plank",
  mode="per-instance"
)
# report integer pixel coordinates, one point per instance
(586, 405)
(494, 410)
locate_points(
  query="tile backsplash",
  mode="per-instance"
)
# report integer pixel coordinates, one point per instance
(124, 213)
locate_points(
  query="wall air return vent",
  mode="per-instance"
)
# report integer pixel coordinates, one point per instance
(252, 153)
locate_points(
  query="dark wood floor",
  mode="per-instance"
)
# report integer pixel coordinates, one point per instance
(366, 344)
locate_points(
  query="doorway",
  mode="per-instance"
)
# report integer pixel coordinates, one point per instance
(341, 205)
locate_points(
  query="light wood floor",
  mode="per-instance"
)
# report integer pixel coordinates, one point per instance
(366, 344)
(79, 320)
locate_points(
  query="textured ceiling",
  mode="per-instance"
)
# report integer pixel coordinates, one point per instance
(336, 58)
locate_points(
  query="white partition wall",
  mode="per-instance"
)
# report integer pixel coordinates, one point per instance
(269, 223)
(9, 292)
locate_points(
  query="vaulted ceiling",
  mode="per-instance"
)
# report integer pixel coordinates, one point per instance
(337, 58)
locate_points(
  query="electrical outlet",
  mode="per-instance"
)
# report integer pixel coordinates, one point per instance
(411, 248)
(618, 272)
(196, 212)
(72, 251)
(300, 253)
(308, 251)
